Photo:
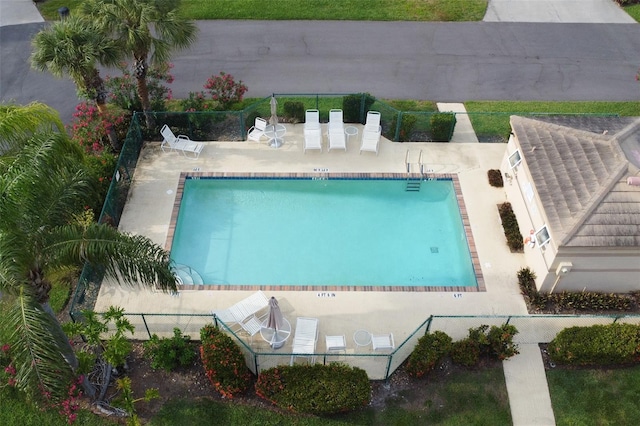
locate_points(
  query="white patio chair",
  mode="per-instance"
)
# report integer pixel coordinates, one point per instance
(251, 326)
(305, 338)
(371, 133)
(189, 148)
(336, 343)
(256, 132)
(382, 342)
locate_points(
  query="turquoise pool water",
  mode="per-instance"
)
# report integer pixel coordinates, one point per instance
(338, 232)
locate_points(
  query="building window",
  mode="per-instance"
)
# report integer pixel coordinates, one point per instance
(515, 159)
(542, 236)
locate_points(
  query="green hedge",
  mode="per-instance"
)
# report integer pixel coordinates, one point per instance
(315, 389)
(597, 345)
(511, 228)
(442, 126)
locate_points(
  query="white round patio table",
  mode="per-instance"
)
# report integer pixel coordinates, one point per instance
(275, 133)
(275, 338)
(350, 131)
(362, 337)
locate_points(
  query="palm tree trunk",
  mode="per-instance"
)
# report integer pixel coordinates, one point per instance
(96, 83)
(140, 71)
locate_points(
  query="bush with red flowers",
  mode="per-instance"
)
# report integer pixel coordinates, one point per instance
(223, 362)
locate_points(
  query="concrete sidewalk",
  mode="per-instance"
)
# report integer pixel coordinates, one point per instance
(16, 12)
(560, 11)
(527, 387)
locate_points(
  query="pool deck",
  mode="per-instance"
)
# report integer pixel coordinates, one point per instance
(151, 200)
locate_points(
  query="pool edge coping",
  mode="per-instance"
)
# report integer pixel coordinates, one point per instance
(480, 283)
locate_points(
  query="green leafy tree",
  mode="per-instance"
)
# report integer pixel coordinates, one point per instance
(147, 31)
(41, 191)
(75, 46)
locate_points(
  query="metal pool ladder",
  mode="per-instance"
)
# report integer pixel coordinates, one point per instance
(414, 179)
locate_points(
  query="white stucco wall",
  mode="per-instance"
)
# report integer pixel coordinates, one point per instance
(592, 269)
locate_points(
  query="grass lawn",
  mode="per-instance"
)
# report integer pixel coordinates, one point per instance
(460, 398)
(14, 411)
(491, 118)
(633, 11)
(595, 397)
(352, 10)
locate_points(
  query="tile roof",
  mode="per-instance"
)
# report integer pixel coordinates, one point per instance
(580, 178)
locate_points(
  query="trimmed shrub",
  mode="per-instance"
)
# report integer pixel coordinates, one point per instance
(169, 353)
(597, 345)
(494, 342)
(495, 178)
(465, 352)
(442, 125)
(501, 341)
(511, 228)
(294, 111)
(526, 280)
(406, 127)
(429, 351)
(315, 389)
(223, 362)
(352, 104)
(590, 301)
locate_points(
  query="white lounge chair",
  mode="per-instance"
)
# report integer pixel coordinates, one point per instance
(189, 148)
(249, 306)
(371, 133)
(311, 120)
(336, 121)
(256, 132)
(312, 140)
(244, 309)
(305, 338)
(337, 139)
(382, 342)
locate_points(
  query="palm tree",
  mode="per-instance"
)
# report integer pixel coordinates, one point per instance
(40, 190)
(148, 30)
(75, 46)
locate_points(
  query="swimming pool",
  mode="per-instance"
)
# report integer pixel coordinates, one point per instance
(322, 232)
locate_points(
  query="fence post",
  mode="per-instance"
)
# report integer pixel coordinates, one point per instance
(363, 100)
(144, 321)
(389, 359)
(242, 126)
(396, 138)
(430, 319)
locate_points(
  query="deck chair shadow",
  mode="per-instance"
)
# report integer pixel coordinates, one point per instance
(371, 133)
(190, 149)
(256, 132)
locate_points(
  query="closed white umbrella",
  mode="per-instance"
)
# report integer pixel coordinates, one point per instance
(275, 319)
(274, 111)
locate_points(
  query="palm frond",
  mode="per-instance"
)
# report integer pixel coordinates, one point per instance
(19, 122)
(132, 260)
(38, 348)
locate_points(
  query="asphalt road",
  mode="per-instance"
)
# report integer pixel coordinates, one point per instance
(445, 62)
